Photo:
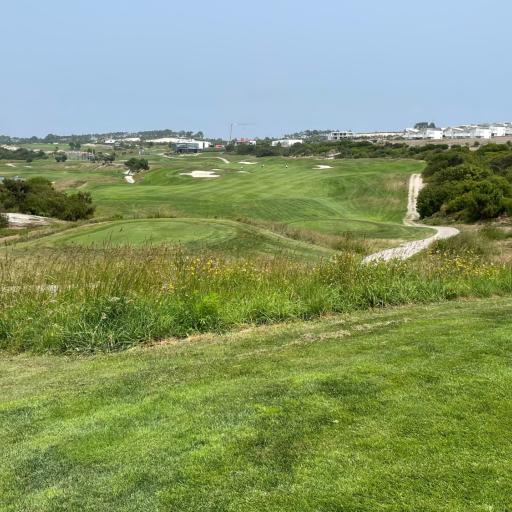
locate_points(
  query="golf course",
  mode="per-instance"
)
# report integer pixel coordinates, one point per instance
(270, 201)
(214, 338)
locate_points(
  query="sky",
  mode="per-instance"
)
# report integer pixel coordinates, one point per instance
(280, 65)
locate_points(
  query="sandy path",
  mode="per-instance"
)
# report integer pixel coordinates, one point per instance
(409, 249)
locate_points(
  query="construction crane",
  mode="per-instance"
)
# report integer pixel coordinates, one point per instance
(236, 124)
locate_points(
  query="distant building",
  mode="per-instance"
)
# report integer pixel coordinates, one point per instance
(243, 140)
(480, 132)
(340, 135)
(174, 141)
(423, 133)
(457, 132)
(498, 130)
(286, 143)
(186, 147)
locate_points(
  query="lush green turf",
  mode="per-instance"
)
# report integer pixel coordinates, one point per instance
(400, 410)
(224, 235)
(365, 197)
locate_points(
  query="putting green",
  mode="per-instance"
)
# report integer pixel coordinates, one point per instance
(228, 236)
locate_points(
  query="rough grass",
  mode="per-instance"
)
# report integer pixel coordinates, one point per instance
(83, 300)
(404, 409)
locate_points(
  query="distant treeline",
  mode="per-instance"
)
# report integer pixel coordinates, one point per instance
(340, 149)
(21, 154)
(36, 196)
(468, 185)
(88, 137)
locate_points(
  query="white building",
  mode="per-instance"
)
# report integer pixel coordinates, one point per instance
(498, 130)
(457, 132)
(286, 143)
(201, 144)
(480, 132)
(424, 133)
(340, 135)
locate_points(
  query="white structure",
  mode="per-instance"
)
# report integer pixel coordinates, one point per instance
(286, 143)
(424, 133)
(457, 132)
(480, 132)
(201, 144)
(498, 130)
(339, 135)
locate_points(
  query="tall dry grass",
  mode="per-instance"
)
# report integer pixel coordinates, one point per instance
(83, 300)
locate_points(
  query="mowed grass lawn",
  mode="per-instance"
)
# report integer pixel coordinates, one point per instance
(363, 196)
(398, 410)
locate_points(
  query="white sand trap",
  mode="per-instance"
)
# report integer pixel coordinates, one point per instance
(244, 172)
(223, 159)
(200, 174)
(323, 167)
(215, 169)
(11, 165)
(129, 179)
(247, 163)
(28, 166)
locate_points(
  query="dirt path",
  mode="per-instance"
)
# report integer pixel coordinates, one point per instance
(409, 249)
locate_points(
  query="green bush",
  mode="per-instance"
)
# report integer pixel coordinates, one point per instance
(36, 196)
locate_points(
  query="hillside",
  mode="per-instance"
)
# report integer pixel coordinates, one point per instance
(403, 409)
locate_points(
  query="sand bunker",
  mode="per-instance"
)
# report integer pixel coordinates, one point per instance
(323, 167)
(244, 172)
(20, 220)
(11, 165)
(200, 174)
(247, 163)
(129, 179)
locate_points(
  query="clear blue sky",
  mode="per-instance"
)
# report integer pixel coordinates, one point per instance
(96, 66)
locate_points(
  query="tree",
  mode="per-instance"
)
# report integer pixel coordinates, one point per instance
(137, 164)
(61, 157)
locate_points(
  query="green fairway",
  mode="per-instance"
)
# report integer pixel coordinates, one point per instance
(404, 409)
(228, 236)
(364, 197)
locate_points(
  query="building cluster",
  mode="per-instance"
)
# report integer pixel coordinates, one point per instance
(431, 132)
(474, 131)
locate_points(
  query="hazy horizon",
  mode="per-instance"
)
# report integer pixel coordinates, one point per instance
(282, 66)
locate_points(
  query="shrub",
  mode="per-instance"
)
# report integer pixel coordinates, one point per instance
(37, 196)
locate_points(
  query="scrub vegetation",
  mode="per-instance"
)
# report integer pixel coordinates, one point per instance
(468, 185)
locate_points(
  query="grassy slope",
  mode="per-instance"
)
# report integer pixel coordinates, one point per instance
(403, 409)
(224, 235)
